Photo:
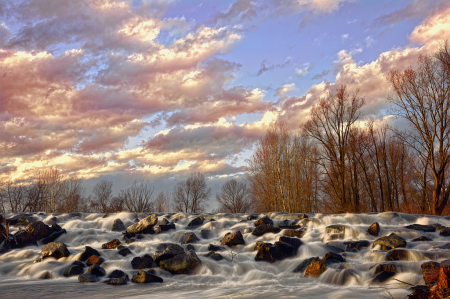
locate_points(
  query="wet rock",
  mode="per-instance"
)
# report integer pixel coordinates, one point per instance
(389, 267)
(143, 262)
(206, 234)
(129, 241)
(264, 220)
(97, 270)
(185, 237)
(55, 235)
(21, 220)
(422, 239)
(184, 263)
(117, 281)
(212, 247)
(420, 227)
(284, 250)
(160, 256)
(356, 245)
(252, 217)
(264, 229)
(21, 239)
(382, 277)
(303, 216)
(315, 268)
(88, 252)
(190, 247)
(72, 270)
(38, 230)
(165, 221)
(165, 227)
(390, 242)
(266, 253)
(294, 242)
(163, 246)
(46, 275)
(145, 277)
(128, 236)
(124, 252)
(430, 272)
(75, 215)
(94, 260)
(56, 250)
(111, 245)
(145, 226)
(233, 239)
(118, 226)
(214, 256)
(140, 237)
(397, 255)
(56, 227)
(78, 263)
(294, 233)
(445, 232)
(118, 274)
(443, 283)
(374, 229)
(305, 264)
(88, 277)
(196, 222)
(175, 248)
(333, 258)
(335, 229)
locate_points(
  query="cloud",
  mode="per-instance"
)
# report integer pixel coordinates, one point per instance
(321, 75)
(288, 88)
(265, 68)
(303, 71)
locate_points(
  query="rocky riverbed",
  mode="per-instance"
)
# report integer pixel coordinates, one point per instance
(273, 255)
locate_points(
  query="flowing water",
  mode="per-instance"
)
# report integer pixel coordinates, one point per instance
(238, 275)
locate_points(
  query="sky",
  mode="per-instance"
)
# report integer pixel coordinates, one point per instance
(156, 90)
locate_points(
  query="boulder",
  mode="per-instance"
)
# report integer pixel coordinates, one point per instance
(356, 245)
(252, 217)
(94, 260)
(145, 277)
(21, 239)
(397, 255)
(38, 230)
(294, 233)
(303, 216)
(185, 237)
(264, 220)
(196, 222)
(165, 221)
(315, 268)
(55, 235)
(212, 247)
(88, 252)
(163, 246)
(117, 281)
(111, 245)
(233, 239)
(445, 232)
(304, 264)
(424, 228)
(206, 234)
(389, 267)
(56, 250)
(128, 236)
(88, 277)
(294, 242)
(190, 247)
(97, 270)
(443, 283)
(214, 256)
(266, 253)
(382, 277)
(160, 256)
(283, 250)
(184, 263)
(118, 226)
(374, 229)
(143, 262)
(78, 263)
(333, 257)
(335, 229)
(46, 275)
(22, 220)
(145, 226)
(175, 248)
(264, 229)
(430, 272)
(390, 242)
(72, 270)
(165, 227)
(118, 274)
(422, 239)
(124, 252)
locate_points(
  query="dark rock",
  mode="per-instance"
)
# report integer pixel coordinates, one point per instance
(330, 247)
(143, 262)
(443, 283)
(196, 221)
(75, 215)
(93, 260)
(212, 247)
(390, 242)
(124, 252)
(118, 226)
(160, 256)
(165, 227)
(175, 248)
(315, 268)
(294, 233)
(190, 247)
(88, 277)
(264, 220)
(88, 252)
(430, 272)
(46, 275)
(145, 226)
(206, 234)
(382, 277)
(118, 274)
(129, 241)
(140, 237)
(303, 216)
(78, 263)
(184, 263)
(165, 221)
(258, 245)
(335, 229)
(266, 253)
(284, 250)
(163, 246)
(56, 227)
(97, 270)
(72, 270)
(333, 257)
(422, 239)
(356, 245)
(445, 232)
(55, 235)
(56, 250)
(117, 281)
(128, 236)
(304, 264)
(214, 256)
(294, 242)
(424, 228)
(21, 239)
(397, 255)
(185, 237)
(20, 220)
(374, 229)
(264, 229)
(111, 245)
(233, 239)
(145, 277)
(389, 267)
(252, 217)
(38, 230)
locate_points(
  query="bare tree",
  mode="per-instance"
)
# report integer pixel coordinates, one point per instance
(102, 195)
(138, 198)
(116, 205)
(190, 196)
(422, 97)
(234, 197)
(162, 202)
(71, 194)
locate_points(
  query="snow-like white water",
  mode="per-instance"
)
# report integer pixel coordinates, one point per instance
(238, 275)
